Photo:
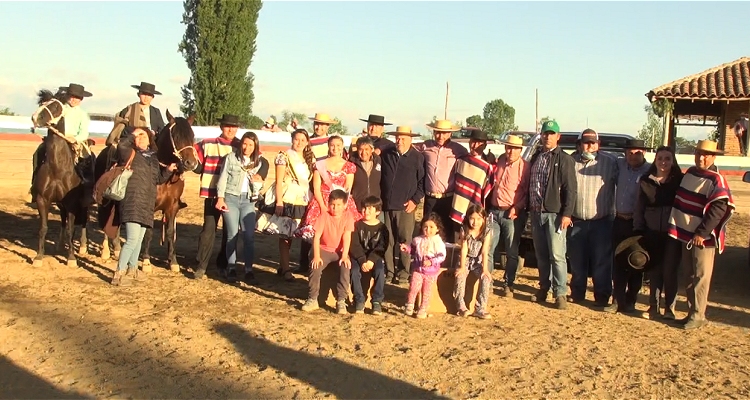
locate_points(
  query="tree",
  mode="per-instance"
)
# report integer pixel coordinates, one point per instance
(287, 116)
(475, 121)
(6, 111)
(499, 118)
(253, 122)
(337, 128)
(652, 131)
(218, 47)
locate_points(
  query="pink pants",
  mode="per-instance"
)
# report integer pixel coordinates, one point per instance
(423, 282)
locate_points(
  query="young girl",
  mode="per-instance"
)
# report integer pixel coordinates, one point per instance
(475, 245)
(427, 253)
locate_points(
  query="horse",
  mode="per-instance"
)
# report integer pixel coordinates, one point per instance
(56, 181)
(174, 144)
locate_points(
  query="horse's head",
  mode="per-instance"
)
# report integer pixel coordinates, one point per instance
(175, 143)
(50, 109)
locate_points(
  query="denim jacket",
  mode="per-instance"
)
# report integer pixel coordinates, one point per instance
(233, 175)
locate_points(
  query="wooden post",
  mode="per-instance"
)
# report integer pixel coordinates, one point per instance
(667, 127)
(445, 116)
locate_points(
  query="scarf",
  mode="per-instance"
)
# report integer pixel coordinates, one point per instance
(472, 185)
(699, 188)
(131, 116)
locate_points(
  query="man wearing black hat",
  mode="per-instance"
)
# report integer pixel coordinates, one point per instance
(627, 281)
(211, 152)
(375, 126)
(76, 133)
(139, 114)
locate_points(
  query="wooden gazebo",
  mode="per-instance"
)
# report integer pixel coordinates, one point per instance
(717, 96)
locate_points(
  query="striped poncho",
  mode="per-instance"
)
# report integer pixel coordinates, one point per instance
(698, 190)
(211, 151)
(472, 185)
(319, 147)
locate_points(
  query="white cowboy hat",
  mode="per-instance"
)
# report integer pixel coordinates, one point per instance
(323, 119)
(403, 130)
(513, 141)
(708, 146)
(443, 125)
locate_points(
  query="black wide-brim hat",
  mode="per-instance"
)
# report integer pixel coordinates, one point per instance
(631, 252)
(77, 90)
(229, 120)
(375, 119)
(147, 88)
(478, 134)
(636, 144)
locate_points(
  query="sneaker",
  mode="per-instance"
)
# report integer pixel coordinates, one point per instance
(463, 313)
(310, 305)
(540, 296)
(341, 307)
(653, 313)
(612, 308)
(359, 308)
(117, 278)
(482, 314)
(231, 275)
(376, 309)
(561, 303)
(508, 291)
(669, 314)
(199, 273)
(694, 324)
(250, 278)
(422, 314)
(409, 310)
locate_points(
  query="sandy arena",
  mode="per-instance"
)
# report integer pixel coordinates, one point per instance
(66, 332)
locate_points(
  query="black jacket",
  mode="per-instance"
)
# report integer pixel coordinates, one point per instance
(365, 186)
(140, 195)
(561, 190)
(402, 179)
(368, 242)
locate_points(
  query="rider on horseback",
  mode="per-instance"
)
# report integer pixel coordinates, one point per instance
(76, 133)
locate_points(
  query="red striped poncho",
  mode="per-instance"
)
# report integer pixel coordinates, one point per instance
(698, 190)
(472, 185)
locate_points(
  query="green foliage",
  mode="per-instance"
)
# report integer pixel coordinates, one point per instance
(337, 128)
(660, 107)
(498, 117)
(302, 120)
(714, 135)
(252, 122)
(652, 131)
(218, 47)
(6, 111)
(475, 121)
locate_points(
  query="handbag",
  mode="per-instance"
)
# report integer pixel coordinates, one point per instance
(116, 189)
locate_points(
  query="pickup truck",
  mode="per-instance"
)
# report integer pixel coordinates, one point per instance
(610, 142)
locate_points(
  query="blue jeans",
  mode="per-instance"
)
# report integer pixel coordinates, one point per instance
(378, 273)
(549, 246)
(130, 251)
(590, 248)
(510, 230)
(240, 214)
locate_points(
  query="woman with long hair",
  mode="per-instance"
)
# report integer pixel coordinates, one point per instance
(286, 200)
(658, 188)
(240, 181)
(330, 173)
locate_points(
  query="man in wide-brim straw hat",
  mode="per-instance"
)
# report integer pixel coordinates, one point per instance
(440, 156)
(402, 180)
(507, 204)
(140, 114)
(697, 225)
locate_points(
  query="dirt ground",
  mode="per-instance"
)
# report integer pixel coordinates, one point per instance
(67, 333)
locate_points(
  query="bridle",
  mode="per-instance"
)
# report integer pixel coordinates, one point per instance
(54, 120)
(178, 153)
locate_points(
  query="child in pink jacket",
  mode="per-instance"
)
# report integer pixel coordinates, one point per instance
(427, 254)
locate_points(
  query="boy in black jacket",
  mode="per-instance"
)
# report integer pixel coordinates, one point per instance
(368, 244)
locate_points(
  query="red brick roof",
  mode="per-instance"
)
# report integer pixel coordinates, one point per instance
(730, 81)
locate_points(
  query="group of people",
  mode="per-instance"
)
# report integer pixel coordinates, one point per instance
(593, 213)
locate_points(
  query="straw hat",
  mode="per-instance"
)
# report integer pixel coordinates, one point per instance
(443, 125)
(403, 130)
(323, 119)
(513, 141)
(271, 121)
(708, 146)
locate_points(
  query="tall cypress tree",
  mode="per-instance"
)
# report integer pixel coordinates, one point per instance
(218, 46)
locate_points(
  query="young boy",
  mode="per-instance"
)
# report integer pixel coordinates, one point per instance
(331, 248)
(367, 251)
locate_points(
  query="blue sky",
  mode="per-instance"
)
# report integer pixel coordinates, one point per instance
(589, 60)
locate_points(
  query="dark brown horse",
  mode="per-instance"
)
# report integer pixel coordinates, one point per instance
(174, 144)
(56, 181)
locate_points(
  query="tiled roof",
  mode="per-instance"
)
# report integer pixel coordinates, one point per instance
(730, 81)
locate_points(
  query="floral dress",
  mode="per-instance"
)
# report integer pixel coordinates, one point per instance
(329, 181)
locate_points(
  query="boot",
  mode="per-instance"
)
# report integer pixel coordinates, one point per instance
(118, 279)
(135, 275)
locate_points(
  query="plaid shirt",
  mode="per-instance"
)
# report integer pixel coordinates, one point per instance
(538, 182)
(596, 186)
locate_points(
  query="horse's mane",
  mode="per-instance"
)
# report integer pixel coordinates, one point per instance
(45, 95)
(182, 134)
